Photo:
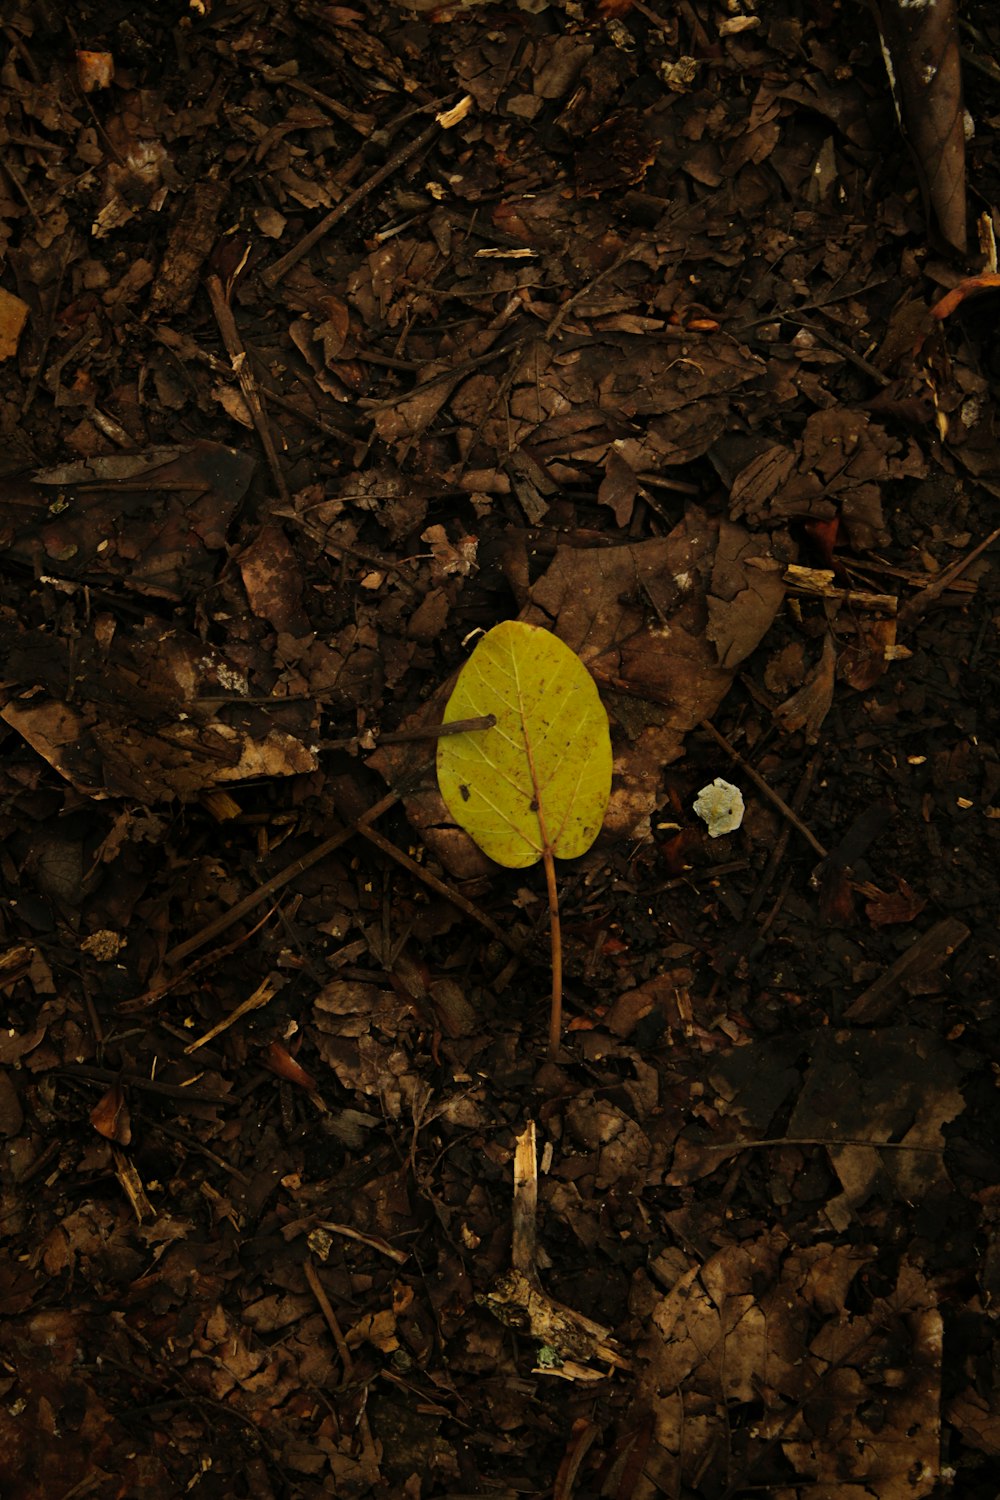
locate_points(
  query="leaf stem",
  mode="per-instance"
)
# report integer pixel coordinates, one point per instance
(555, 934)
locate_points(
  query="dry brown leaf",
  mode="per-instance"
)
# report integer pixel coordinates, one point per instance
(13, 316)
(922, 53)
(763, 1323)
(864, 660)
(987, 281)
(900, 905)
(272, 577)
(807, 708)
(618, 488)
(110, 1116)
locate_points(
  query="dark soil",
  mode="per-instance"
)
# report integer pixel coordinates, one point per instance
(331, 336)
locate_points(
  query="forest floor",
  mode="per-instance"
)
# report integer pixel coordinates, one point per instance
(331, 336)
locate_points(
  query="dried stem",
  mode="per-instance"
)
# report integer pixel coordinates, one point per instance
(555, 932)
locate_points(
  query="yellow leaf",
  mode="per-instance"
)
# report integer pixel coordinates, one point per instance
(541, 776)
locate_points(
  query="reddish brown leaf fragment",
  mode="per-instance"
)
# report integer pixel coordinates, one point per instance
(836, 897)
(823, 536)
(865, 660)
(110, 1116)
(13, 316)
(95, 70)
(674, 851)
(989, 281)
(581, 1441)
(900, 905)
(280, 1061)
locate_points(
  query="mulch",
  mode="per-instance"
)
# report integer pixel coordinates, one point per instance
(330, 337)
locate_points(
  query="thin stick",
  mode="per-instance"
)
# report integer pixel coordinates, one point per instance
(403, 736)
(190, 1144)
(304, 862)
(329, 1316)
(373, 1241)
(248, 382)
(149, 1085)
(731, 1147)
(156, 993)
(448, 892)
(915, 607)
(768, 790)
(281, 268)
(555, 932)
(262, 995)
(453, 372)
(363, 124)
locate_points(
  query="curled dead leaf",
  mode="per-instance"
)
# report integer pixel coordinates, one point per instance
(110, 1116)
(807, 708)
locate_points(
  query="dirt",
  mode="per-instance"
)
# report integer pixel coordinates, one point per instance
(330, 337)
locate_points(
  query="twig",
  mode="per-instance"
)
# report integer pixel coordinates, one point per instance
(448, 892)
(176, 345)
(277, 273)
(926, 954)
(316, 1287)
(325, 1307)
(819, 581)
(147, 1085)
(405, 736)
(157, 991)
(48, 328)
(517, 1297)
(768, 791)
(453, 372)
(439, 731)
(555, 931)
(830, 1143)
(248, 383)
(778, 852)
(321, 534)
(373, 1241)
(321, 424)
(623, 256)
(191, 1144)
(41, 1162)
(262, 995)
(915, 607)
(132, 1185)
(290, 872)
(363, 124)
(872, 371)
(729, 954)
(19, 188)
(550, 333)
